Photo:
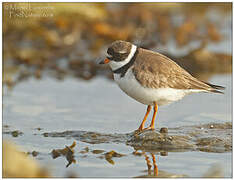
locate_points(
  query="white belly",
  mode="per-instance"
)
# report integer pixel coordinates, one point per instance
(147, 96)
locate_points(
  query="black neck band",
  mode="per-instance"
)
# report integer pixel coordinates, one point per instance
(122, 70)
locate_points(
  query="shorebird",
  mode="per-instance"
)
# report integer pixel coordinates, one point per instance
(151, 78)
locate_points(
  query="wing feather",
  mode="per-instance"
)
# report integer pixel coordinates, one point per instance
(154, 70)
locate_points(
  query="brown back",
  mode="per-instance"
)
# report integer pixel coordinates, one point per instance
(154, 70)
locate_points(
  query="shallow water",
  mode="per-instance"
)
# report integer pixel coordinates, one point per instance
(100, 106)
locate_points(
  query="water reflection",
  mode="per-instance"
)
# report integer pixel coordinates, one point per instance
(155, 167)
(214, 171)
(149, 158)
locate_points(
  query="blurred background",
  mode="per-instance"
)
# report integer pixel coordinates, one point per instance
(54, 91)
(67, 39)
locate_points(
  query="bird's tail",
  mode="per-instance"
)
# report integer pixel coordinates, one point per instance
(215, 88)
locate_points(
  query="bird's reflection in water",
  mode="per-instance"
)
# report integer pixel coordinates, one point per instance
(148, 162)
(150, 159)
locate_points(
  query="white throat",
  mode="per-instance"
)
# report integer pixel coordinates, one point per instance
(116, 65)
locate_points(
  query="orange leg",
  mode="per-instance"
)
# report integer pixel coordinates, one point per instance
(146, 115)
(154, 116)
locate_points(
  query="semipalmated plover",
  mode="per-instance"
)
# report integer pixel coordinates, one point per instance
(151, 78)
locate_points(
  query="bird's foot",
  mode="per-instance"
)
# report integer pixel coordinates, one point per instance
(149, 128)
(143, 129)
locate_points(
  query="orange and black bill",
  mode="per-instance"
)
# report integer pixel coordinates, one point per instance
(105, 61)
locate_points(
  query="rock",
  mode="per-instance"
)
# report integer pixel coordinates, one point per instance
(153, 140)
(164, 130)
